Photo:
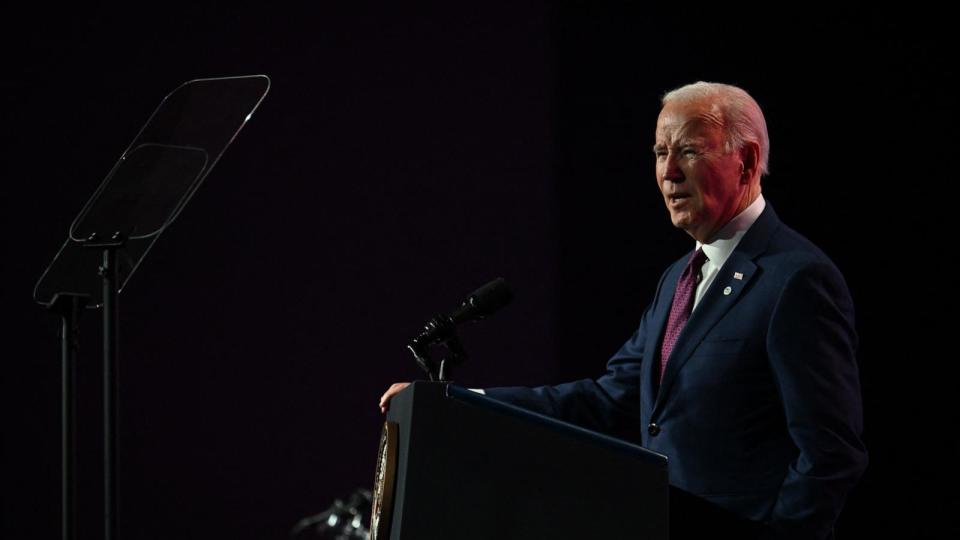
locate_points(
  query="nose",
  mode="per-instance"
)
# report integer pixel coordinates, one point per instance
(671, 168)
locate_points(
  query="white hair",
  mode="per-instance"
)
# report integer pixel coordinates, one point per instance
(742, 118)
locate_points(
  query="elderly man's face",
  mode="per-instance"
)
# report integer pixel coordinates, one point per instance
(701, 183)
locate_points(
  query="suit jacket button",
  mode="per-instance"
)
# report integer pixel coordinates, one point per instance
(653, 429)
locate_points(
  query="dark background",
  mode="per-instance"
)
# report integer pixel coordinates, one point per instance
(403, 158)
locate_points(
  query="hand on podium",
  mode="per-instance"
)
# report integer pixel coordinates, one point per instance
(394, 389)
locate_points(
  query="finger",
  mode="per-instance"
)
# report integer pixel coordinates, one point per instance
(394, 389)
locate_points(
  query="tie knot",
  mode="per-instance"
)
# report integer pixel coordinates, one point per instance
(697, 260)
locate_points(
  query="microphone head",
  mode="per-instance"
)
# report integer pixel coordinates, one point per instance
(487, 300)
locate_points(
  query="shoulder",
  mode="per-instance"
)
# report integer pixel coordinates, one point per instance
(791, 256)
(804, 283)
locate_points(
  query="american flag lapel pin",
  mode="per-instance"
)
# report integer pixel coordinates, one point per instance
(738, 275)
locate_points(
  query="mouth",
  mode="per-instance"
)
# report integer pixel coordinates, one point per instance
(677, 199)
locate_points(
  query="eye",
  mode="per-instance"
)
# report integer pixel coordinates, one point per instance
(689, 151)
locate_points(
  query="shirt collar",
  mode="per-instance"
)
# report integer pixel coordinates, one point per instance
(726, 240)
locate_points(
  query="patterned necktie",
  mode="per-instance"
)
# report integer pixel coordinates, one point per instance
(682, 305)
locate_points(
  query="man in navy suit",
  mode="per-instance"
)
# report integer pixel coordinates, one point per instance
(743, 369)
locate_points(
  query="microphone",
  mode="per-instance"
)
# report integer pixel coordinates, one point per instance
(481, 303)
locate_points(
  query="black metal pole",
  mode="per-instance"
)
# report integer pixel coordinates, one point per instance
(69, 307)
(69, 422)
(111, 353)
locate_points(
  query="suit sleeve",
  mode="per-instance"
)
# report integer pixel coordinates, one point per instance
(811, 345)
(610, 404)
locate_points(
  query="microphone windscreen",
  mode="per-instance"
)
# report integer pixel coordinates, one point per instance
(488, 299)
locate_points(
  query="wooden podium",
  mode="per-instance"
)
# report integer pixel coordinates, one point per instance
(455, 464)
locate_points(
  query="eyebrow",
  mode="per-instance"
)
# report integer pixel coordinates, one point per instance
(694, 141)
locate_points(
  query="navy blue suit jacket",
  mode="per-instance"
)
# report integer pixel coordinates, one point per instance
(760, 410)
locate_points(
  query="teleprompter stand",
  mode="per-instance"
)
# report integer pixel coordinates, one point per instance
(151, 183)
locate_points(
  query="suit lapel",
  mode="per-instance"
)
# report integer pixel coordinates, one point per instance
(719, 298)
(730, 282)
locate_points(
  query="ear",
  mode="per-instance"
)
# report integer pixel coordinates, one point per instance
(749, 162)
